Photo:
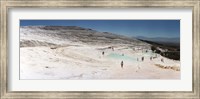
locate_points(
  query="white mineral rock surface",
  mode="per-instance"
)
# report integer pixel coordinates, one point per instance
(70, 52)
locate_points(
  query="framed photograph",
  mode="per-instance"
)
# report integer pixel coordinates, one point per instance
(99, 49)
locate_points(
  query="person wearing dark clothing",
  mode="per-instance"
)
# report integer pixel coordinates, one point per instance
(142, 58)
(122, 63)
(102, 53)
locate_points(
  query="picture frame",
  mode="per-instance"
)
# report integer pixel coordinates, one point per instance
(5, 5)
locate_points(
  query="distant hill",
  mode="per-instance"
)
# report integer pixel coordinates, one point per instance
(59, 35)
(170, 49)
(162, 40)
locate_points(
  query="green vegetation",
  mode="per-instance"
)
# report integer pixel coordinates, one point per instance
(171, 52)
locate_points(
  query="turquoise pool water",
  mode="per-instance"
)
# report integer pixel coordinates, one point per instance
(119, 56)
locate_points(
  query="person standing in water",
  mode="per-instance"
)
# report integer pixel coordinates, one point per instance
(122, 63)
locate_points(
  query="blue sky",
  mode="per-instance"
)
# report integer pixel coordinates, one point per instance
(146, 28)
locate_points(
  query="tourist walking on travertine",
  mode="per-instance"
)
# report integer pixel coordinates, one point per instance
(112, 48)
(142, 58)
(122, 63)
(151, 58)
(103, 53)
(162, 60)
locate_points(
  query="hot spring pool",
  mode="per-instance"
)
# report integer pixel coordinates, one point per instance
(119, 56)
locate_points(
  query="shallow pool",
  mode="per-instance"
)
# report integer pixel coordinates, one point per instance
(122, 57)
(149, 54)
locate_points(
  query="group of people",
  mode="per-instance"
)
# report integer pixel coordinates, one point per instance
(108, 47)
(142, 58)
(122, 63)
